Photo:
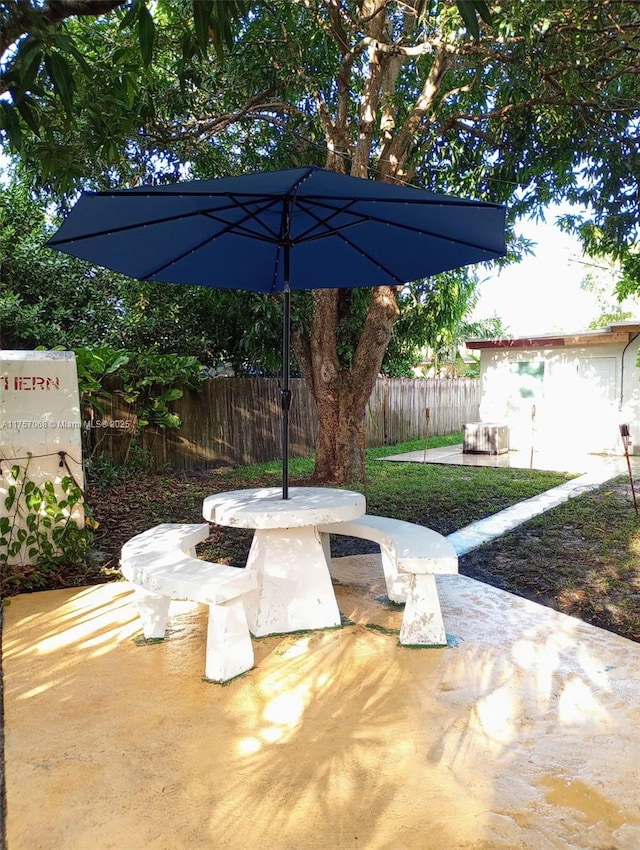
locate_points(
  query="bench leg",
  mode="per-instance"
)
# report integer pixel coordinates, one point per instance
(229, 647)
(325, 541)
(397, 583)
(153, 610)
(422, 623)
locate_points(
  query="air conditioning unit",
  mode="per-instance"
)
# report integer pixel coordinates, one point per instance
(488, 438)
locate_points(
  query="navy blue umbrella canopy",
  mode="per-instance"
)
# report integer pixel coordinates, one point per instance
(302, 228)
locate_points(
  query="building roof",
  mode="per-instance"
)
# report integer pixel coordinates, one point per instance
(614, 334)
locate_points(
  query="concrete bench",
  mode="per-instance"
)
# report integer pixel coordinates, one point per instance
(162, 565)
(411, 557)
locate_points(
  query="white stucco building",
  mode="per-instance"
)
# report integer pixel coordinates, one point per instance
(565, 392)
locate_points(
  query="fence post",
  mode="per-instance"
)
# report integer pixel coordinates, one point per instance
(426, 432)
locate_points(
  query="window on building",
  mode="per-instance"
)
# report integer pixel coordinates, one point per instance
(529, 377)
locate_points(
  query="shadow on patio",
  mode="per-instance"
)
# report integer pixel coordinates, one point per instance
(523, 732)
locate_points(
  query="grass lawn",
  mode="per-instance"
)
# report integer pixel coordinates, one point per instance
(581, 558)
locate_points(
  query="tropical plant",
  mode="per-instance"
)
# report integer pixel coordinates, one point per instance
(146, 383)
(42, 525)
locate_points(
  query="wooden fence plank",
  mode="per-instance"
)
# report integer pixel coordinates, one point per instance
(238, 420)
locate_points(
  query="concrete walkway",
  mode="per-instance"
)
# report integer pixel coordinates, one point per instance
(596, 470)
(485, 530)
(522, 734)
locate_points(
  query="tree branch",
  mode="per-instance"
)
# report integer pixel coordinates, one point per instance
(371, 91)
(394, 155)
(28, 18)
(374, 339)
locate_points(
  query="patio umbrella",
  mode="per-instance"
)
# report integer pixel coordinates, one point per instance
(301, 228)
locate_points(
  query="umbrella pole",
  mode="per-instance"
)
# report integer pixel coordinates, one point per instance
(285, 392)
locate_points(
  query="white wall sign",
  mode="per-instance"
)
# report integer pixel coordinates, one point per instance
(40, 438)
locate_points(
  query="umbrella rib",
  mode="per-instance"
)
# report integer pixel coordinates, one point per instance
(182, 216)
(306, 237)
(434, 200)
(108, 231)
(236, 227)
(149, 275)
(253, 214)
(340, 234)
(371, 259)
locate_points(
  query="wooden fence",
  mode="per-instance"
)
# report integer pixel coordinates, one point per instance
(238, 420)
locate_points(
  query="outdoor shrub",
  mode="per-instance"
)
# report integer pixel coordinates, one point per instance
(39, 528)
(103, 472)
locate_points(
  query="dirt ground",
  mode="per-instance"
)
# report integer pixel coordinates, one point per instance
(590, 571)
(586, 571)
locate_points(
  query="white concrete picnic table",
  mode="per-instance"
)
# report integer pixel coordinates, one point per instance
(294, 591)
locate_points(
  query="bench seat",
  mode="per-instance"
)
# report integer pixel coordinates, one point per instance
(162, 565)
(411, 555)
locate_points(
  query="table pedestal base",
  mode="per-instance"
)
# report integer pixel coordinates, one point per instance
(294, 585)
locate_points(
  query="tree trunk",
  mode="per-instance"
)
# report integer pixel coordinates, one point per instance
(341, 392)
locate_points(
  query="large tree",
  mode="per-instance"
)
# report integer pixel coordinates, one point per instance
(542, 105)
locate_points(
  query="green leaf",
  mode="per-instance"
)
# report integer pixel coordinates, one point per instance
(63, 42)
(129, 18)
(120, 359)
(146, 34)
(484, 11)
(10, 123)
(10, 499)
(170, 395)
(61, 76)
(201, 17)
(121, 56)
(168, 420)
(33, 502)
(28, 116)
(28, 63)
(468, 14)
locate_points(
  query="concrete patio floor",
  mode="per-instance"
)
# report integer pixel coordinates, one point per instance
(541, 459)
(522, 733)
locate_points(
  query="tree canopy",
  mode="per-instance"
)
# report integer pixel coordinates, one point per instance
(542, 105)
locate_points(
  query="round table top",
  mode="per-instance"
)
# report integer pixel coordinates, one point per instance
(265, 507)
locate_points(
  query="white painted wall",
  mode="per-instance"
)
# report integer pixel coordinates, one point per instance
(39, 417)
(581, 395)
